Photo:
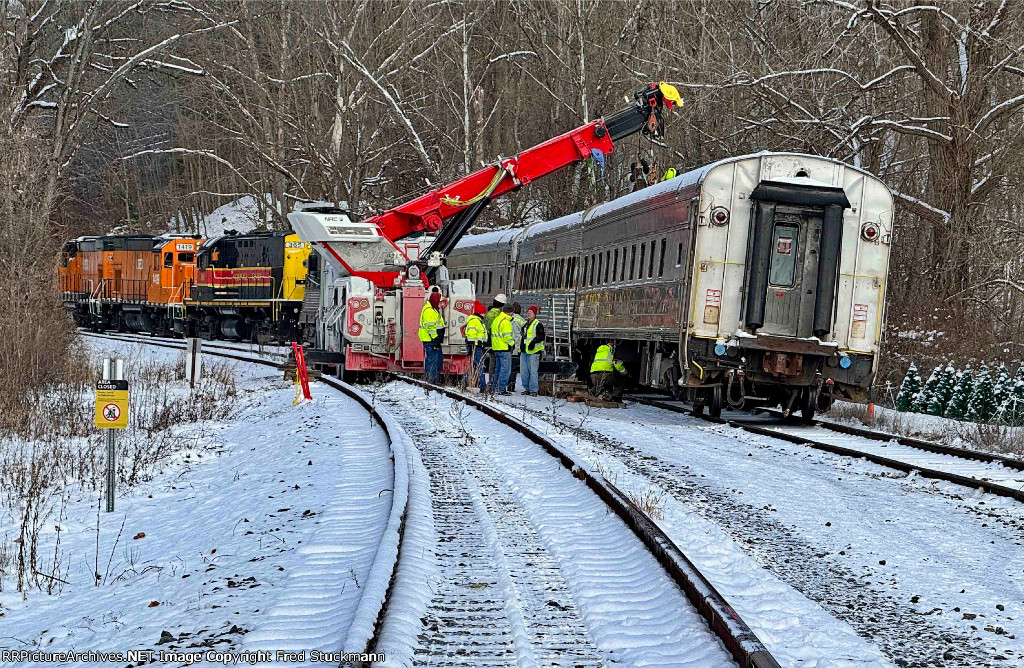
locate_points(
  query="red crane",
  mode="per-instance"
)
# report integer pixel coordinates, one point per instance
(449, 211)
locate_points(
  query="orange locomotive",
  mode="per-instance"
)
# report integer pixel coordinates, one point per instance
(134, 282)
(248, 286)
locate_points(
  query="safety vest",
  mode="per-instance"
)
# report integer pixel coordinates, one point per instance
(518, 323)
(475, 332)
(530, 345)
(490, 316)
(501, 332)
(431, 323)
(604, 360)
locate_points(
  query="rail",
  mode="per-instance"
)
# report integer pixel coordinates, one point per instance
(724, 621)
(397, 516)
(889, 462)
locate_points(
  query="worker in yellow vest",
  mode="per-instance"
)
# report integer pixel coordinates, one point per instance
(476, 340)
(493, 312)
(607, 374)
(432, 334)
(518, 323)
(531, 350)
(502, 344)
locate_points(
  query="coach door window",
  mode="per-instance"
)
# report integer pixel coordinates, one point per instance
(784, 248)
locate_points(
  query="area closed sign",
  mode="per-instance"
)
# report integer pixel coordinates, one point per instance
(111, 404)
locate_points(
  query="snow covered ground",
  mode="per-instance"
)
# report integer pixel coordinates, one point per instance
(534, 570)
(831, 561)
(261, 537)
(241, 215)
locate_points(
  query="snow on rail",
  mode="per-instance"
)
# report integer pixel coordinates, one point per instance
(632, 611)
(812, 548)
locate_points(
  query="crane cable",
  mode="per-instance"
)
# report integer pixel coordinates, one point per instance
(486, 192)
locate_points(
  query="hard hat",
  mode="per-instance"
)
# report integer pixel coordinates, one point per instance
(501, 298)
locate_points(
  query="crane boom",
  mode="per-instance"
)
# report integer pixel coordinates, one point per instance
(450, 211)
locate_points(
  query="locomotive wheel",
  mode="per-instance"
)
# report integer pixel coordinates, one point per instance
(715, 405)
(808, 403)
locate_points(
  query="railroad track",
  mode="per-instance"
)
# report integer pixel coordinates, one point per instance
(724, 621)
(502, 597)
(992, 473)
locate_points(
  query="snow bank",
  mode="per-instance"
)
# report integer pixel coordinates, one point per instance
(264, 537)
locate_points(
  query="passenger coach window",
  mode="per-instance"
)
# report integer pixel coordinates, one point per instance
(784, 247)
(615, 266)
(679, 255)
(632, 262)
(640, 266)
(650, 266)
(661, 262)
(586, 266)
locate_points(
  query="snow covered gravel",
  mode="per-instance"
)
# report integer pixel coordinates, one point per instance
(810, 547)
(534, 570)
(264, 540)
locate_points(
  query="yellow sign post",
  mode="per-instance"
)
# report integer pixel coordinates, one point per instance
(111, 413)
(111, 404)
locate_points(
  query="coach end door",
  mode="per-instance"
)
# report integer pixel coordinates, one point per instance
(792, 273)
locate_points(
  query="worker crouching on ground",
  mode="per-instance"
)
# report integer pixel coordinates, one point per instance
(607, 374)
(432, 334)
(502, 344)
(532, 348)
(476, 341)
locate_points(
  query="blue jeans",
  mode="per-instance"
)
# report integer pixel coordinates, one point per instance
(478, 366)
(529, 363)
(432, 360)
(502, 369)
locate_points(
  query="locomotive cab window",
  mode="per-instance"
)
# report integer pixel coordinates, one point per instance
(785, 239)
(168, 260)
(185, 257)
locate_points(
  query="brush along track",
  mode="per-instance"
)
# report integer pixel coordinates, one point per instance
(740, 641)
(977, 470)
(362, 635)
